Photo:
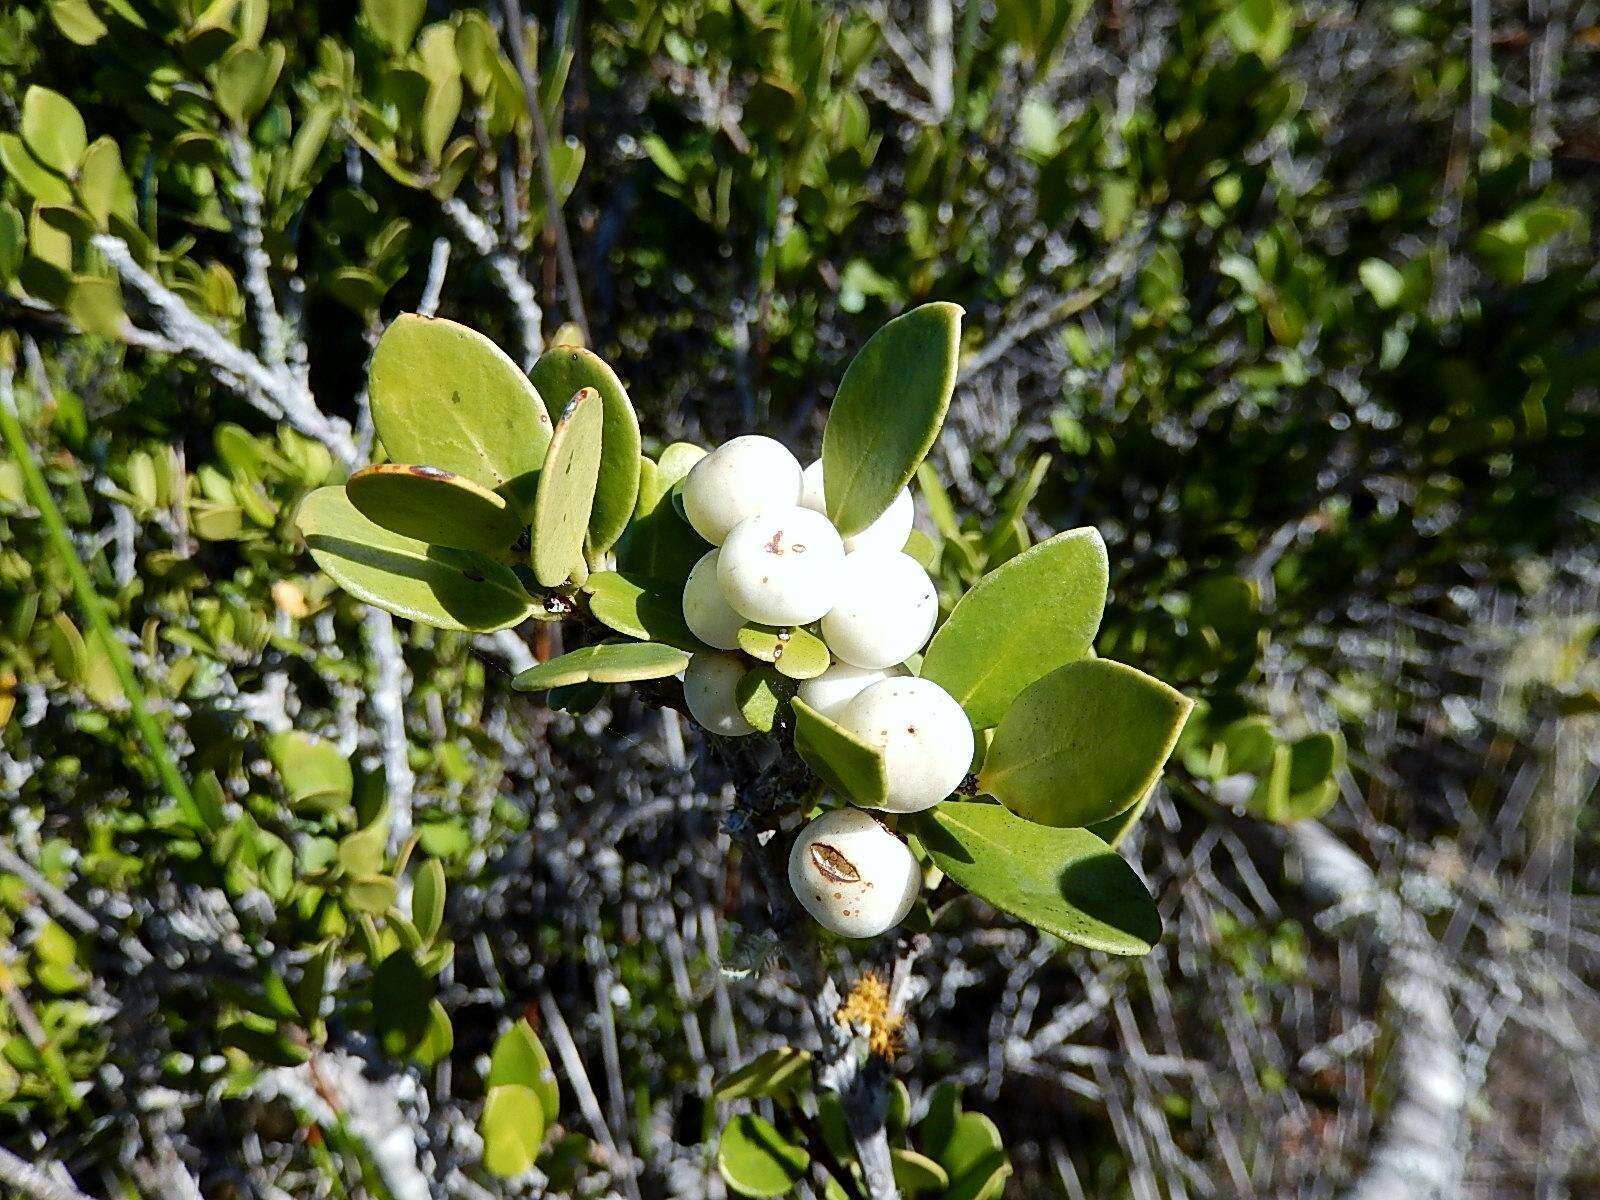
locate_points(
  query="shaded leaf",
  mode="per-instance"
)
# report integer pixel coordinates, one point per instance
(640, 611)
(53, 129)
(1064, 881)
(437, 585)
(846, 763)
(434, 505)
(756, 1160)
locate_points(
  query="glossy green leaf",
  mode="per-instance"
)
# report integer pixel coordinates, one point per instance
(887, 413)
(1064, 881)
(756, 1160)
(795, 652)
(512, 1129)
(519, 1057)
(436, 585)
(445, 395)
(561, 373)
(776, 1073)
(427, 899)
(314, 773)
(77, 21)
(31, 175)
(434, 505)
(760, 694)
(1083, 743)
(567, 489)
(845, 763)
(607, 662)
(53, 130)
(1039, 611)
(639, 611)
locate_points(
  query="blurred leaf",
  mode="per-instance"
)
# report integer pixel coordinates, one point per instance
(427, 899)
(314, 773)
(520, 1058)
(778, 1072)
(756, 1160)
(512, 1128)
(53, 130)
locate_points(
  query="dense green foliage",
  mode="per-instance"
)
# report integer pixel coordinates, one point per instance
(1295, 304)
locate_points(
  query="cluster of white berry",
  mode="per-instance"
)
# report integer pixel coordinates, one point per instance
(779, 561)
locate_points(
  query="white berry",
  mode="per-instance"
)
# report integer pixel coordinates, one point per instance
(884, 611)
(841, 683)
(781, 566)
(924, 735)
(736, 480)
(888, 532)
(854, 876)
(705, 612)
(708, 689)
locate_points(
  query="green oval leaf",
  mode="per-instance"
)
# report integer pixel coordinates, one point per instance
(434, 505)
(1083, 743)
(519, 1057)
(775, 1073)
(845, 763)
(566, 490)
(512, 1129)
(608, 662)
(1064, 881)
(1037, 612)
(887, 413)
(436, 585)
(757, 1160)
(427, 899)
(445, 395)
(629, 607)
(794, 651)
(563, 371)
(53, 129)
